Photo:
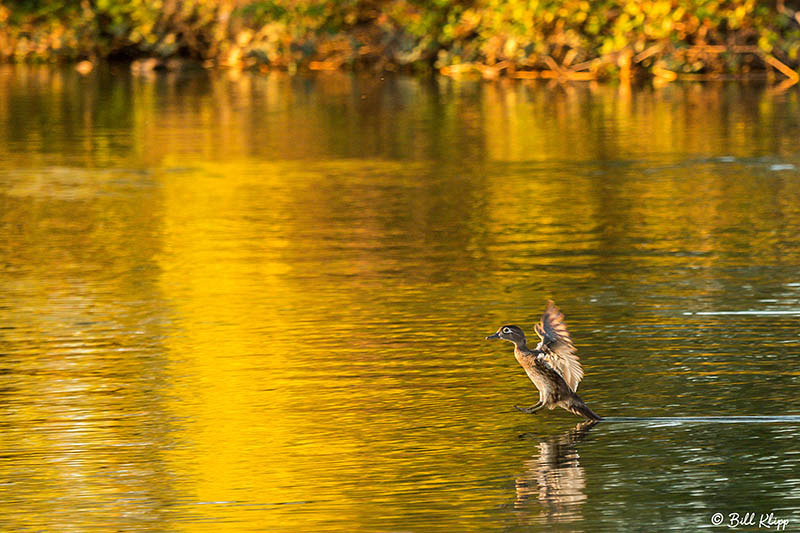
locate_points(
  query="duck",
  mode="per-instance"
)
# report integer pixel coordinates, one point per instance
(553, 365)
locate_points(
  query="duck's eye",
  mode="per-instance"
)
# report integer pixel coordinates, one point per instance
(506, 330)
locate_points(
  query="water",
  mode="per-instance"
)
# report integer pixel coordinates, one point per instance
(235, 302)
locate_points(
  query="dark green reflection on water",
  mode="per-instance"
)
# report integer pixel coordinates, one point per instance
(247, 302)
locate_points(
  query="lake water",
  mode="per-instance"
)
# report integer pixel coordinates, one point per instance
(245, 302)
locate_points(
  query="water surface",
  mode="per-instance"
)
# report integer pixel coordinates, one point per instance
(234, 302)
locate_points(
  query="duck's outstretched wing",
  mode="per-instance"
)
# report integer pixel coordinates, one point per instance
(559, 352)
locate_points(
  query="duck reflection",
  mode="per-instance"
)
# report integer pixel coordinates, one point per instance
(554, 477)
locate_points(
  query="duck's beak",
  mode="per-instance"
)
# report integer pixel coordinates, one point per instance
(495, 336)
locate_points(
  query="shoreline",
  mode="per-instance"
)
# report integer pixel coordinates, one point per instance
(573, 41)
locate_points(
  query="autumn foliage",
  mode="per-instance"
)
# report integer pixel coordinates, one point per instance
(518, 38)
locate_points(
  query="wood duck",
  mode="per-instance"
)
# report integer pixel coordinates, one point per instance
(553, 365)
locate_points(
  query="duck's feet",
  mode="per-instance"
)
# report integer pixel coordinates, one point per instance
(528, 410)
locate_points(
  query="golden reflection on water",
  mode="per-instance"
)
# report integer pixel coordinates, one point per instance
(257, 302)
(555, 478)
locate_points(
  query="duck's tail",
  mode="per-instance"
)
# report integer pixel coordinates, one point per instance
(577, 407)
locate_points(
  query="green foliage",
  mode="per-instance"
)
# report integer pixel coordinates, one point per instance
(699, 36)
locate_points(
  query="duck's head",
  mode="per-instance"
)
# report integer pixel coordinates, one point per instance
(509, 333)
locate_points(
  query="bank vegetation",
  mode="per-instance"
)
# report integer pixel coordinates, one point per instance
(569, 39)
